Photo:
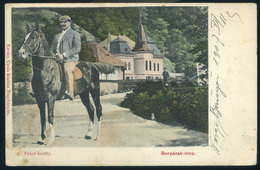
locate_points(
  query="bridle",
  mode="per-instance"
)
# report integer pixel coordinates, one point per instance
(34, 50)
(36, 46)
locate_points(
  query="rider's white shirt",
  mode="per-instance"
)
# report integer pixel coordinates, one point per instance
(59, 39)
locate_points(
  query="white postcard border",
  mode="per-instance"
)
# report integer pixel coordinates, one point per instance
(236, 77)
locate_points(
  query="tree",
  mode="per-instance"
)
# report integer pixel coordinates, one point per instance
(158, 30)
(170, 66)
(21, 68)
(178, 53)
(51, 29)
(86, 52)
(184, 29)
(101, 21)
(179, 32)
(202, 50)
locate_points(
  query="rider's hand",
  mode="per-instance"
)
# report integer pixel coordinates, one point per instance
(61, 57)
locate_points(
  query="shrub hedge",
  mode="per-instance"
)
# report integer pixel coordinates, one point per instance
(175, 105)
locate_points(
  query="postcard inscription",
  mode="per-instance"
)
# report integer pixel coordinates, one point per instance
(8, 79)
(218, 23)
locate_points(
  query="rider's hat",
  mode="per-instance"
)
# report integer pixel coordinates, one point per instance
(65, 18)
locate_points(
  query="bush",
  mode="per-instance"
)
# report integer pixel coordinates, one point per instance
(22, 96)
(148, 86)
(186, 106)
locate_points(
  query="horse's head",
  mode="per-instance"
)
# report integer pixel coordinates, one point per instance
(32, 42)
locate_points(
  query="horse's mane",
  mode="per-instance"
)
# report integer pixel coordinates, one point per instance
(45, 43)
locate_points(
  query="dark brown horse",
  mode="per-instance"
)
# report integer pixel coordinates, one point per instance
(47, 85)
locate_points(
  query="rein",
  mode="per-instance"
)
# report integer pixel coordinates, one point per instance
(44, 57)
(34, 50)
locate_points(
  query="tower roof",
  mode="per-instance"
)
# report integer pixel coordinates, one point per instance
(144, 42)
(141, 41)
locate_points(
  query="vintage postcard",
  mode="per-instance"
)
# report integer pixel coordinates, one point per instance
(161, 84)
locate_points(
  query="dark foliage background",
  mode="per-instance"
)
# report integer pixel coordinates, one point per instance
(179, 32)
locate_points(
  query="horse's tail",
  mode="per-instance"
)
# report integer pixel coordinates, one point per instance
(104, 68)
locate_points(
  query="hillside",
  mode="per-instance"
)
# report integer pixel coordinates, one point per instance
(180, 33)
(43, 17)
(48, 21)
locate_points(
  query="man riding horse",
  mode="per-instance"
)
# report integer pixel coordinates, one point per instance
(66, 47)
(46, 80)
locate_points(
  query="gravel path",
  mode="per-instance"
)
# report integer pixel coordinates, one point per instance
(119, 128)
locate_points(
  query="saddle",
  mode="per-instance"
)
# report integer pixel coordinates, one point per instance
(82, 74)
(76, 73)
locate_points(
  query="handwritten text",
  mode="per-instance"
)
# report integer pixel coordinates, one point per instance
(218, 23)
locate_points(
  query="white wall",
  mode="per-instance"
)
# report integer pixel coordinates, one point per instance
(108, 87)
(117, 75)
(140, 66)
(129, 72)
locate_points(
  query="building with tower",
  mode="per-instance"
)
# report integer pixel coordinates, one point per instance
(148, 60)
(142, 58)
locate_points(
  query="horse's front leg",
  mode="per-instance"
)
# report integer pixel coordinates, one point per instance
(50, 105)
(41, 105)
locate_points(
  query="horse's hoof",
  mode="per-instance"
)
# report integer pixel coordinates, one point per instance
(52, 136)
(40, 142)
(87, 137)
(50, 142)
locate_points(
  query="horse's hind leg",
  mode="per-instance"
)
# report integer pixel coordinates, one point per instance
(85, 100)
(41, 105)
(96, 98)
(50, 105)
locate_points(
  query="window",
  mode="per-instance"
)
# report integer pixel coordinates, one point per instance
(154, 67)
(129, 66)
(125, 66)
(146, 65)
(150, 65)
(157, 66)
